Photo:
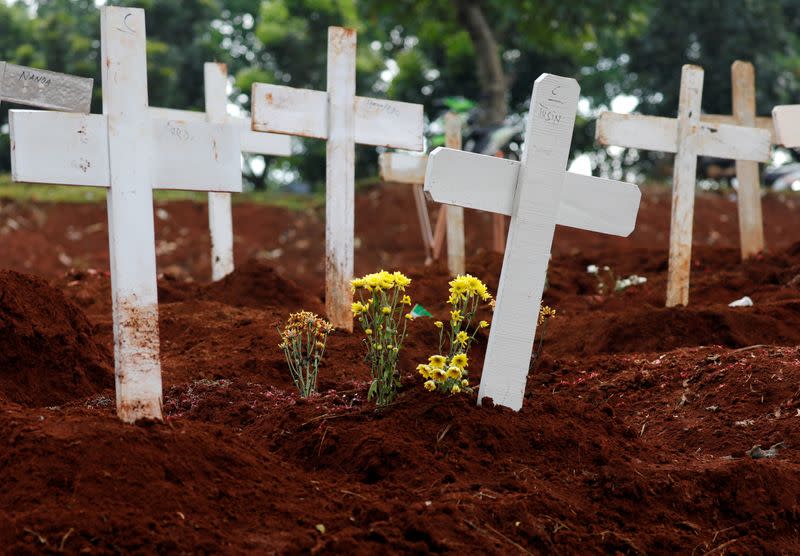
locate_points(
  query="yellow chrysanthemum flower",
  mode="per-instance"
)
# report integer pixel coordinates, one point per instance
(358, 308)
(545, 313)
(455, 389)
(430, 385)
(462, 338)
(438, 324)
(456, 317)
(483, 324)
(454, 372)
(437, 361)
(386, 310)
(459, 360)
(465, 383)
(368, 331)
(409, 316)
(439, 375)
(405, 300)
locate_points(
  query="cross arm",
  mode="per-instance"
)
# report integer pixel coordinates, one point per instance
(45, 89)
(762, 122)
(72, 149)
(272, 144)
(488, 183)
(661, 134)
(304, 112)
(403, 167)
(787, 125)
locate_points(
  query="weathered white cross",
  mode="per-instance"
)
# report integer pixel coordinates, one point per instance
(538, 193)
(787, 125)
(410, 168)
(343, 119)
(129, 152)
(687, 136)
(45, 89)
(220, 217)
(743, 92)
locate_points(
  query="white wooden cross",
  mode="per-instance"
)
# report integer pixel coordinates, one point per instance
(343, 119)
(410, 168)
(787, 125)
(687, 136)
(743, 91)
(538, 193)
(129, 152)
(220, 217)
(45, 89)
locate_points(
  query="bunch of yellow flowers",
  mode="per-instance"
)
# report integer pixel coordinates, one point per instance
(448, 373)
(303, 340)
(379, 310)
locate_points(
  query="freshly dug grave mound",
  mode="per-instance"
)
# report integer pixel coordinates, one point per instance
(48, 353)
(257, 285)
(658, 330)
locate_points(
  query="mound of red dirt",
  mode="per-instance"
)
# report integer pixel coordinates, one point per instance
(256, 284)
(48, 354)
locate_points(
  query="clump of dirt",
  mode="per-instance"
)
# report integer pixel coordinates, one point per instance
(48, 353)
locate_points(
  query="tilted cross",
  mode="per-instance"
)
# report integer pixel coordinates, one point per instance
(538, 193)
(689, 137)
(130, 152)
(410, 168)
(343, 119)
(220, 217)
(45, 89)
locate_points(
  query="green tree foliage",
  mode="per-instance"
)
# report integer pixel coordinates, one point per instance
(426, 50)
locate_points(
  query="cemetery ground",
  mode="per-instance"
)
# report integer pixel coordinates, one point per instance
(636, 436)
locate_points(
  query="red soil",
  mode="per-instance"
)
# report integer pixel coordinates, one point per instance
(633, 437)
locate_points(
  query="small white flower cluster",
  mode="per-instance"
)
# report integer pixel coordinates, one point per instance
(632, 280)
(594, 269)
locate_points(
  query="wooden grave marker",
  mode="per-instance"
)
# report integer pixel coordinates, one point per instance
(128, 151)
(410, 168)
(220, 217)
(751, 222)
(343, 119)
(537, 193)
(688, 137)
(45, 89)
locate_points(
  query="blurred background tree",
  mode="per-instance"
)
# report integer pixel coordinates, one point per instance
(425, 51)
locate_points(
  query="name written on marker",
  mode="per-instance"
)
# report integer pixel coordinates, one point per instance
(375, 106)
(35, 77)
(179, 132)
(547, 114)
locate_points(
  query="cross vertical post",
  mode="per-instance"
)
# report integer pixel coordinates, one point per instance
(340, 176)
(751, 227)
(680, 231)
(530, 237)
(220, 217)
(455, 214)
(130, 214)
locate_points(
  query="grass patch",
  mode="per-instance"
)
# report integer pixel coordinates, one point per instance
(38, 193)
